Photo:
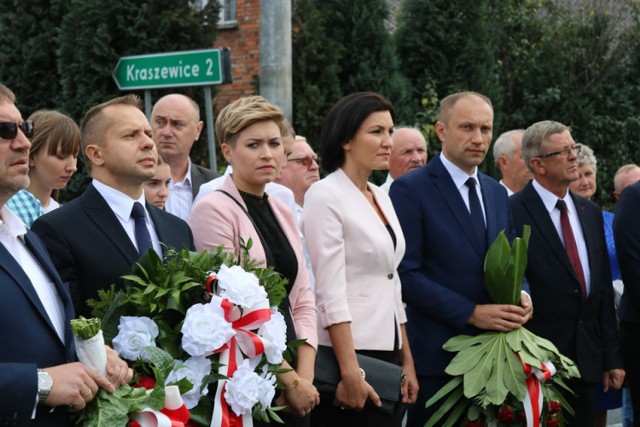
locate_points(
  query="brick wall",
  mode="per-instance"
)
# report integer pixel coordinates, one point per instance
(244, 42)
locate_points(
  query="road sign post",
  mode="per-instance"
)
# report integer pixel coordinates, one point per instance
(205, 67)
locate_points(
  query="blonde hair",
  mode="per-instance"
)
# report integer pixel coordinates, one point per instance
(241, 114)
(7, 95)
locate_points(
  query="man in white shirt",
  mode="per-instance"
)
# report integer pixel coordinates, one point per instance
(176, 124)
(409, 152)
(508, 157)
(37, 368)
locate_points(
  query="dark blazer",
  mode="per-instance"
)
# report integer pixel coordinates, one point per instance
(442, 271)
(584, 331)
(90, 248)
(627, 237)
(29, 340)
(200, 175)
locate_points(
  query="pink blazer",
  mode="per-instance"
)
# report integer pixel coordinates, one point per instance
(217, 220)
(354, 261)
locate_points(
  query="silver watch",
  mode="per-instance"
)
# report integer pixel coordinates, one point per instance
(45, 384)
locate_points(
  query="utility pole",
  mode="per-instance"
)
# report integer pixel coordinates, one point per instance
(275, 54)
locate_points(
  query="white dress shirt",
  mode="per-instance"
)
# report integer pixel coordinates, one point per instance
(121, 205)
(180, 199)
(549, 199)
(460, 178)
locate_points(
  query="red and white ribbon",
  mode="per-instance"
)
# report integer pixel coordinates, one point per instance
(243, 343)
(533, 399)
(174, 413)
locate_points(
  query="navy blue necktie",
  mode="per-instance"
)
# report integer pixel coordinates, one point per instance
(143, 238)
(477, 218)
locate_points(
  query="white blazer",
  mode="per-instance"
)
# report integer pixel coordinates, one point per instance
(354, 262)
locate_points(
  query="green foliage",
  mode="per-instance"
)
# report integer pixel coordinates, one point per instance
(84, 328)
(316, 85)
(504, 267)
(107, 409)
(487, 374)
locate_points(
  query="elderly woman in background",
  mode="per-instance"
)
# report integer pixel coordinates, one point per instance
(586, 186)
(356, 243)
(250, 133)
(52, 162)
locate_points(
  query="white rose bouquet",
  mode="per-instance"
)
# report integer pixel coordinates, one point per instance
(201, 322)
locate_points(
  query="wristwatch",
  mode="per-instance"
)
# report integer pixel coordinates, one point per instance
(45, 384)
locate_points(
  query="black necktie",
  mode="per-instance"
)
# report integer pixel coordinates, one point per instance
(570, 246)
(476, 213)
(143, 238)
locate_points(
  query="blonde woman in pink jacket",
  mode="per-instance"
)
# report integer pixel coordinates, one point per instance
(250, 133)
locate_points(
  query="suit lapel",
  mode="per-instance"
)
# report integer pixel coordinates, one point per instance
(491, 203)
(542, 220)
(447, 188)
(67, 305)
(20, 278)
(98, 210)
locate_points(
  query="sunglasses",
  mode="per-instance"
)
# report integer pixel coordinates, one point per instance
(9, 130)
(305, 161)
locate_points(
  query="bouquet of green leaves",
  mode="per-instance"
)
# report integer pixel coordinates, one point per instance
(494, 371)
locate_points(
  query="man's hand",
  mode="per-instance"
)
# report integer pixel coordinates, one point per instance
(613, 378)
(118, 372)
(499, 317)
(527, 304)
(74, 385)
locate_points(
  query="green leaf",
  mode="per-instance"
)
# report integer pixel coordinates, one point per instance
(454, 397)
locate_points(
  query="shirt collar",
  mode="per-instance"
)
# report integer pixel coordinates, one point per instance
(120, 203)
(186, 181)
(12, 223)
(459, 176)
(549, 199)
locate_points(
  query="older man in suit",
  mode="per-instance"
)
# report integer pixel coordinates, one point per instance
(450, 213)
(176, 124)
(568, 267)
(37, 363)
(96, 238)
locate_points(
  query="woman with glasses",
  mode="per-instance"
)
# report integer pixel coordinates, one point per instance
(250, 134)
(55, 144)
(356, 243)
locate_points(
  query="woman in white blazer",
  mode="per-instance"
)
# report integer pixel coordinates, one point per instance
(356, 243)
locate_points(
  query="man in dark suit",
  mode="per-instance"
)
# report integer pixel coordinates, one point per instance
(37, 362)
(568, 266)
(627, 238)
(93, 239)
(442, 270)
(176, 124)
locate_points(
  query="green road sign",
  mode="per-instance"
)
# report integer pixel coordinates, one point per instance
(172, 69)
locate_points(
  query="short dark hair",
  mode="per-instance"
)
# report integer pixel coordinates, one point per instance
(342, 123)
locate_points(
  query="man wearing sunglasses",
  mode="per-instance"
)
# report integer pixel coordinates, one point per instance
(568, 266)
(37, 369)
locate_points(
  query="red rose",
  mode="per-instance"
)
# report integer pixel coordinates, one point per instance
(506, 414)
(476, 423)
(145, 382)
(554, 407)
(552, 422)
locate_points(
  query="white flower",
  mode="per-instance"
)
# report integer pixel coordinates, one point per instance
(205, 328)
(193, 369)
(134, 334)
(246, 388)
(274, 337)
(240, 287)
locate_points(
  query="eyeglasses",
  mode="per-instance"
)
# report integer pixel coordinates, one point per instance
(564, 152)
(9, 130)
(305, 161)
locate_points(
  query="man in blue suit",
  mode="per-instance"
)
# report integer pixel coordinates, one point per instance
(450, 213)
(38, 371)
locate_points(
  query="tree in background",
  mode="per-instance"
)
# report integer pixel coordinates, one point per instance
(28, 43)
(316, 85)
